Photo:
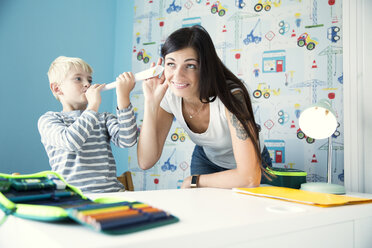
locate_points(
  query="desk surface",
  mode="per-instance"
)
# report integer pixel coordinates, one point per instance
(210, 218)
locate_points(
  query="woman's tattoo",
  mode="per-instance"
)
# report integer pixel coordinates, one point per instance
(240, 131)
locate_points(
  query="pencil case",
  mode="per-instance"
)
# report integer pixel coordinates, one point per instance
(285, 177)
(46, 196)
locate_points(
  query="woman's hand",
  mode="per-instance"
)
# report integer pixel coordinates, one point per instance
(186, 183)
(154, 88)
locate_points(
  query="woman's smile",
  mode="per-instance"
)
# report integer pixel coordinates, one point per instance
(180, 86)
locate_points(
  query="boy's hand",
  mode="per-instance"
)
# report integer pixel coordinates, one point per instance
(124, 85)
(93, 95)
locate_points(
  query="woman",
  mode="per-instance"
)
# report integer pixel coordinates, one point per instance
(213, 107)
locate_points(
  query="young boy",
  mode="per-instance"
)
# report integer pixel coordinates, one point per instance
(77, 140)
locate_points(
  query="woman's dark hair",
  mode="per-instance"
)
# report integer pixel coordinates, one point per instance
(216, 80)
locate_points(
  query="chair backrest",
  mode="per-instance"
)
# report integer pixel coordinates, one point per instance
(126, 180)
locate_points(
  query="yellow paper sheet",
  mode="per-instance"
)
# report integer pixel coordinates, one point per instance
(301, 196)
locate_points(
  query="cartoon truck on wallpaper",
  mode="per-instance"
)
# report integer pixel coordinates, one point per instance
(167, 165)
(305, 40)
(217, 8)
(173, 7)
(252, 38)
(266, 5)
(178, 134)
(301, 135)
(142, 55)
(263, 89)
(332, 34)
(239, 3)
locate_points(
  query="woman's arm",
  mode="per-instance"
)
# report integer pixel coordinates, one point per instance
(156, 123)
(248, 171)
(155, 128)
(247, 163)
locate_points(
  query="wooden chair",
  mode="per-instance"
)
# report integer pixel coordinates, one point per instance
(126, 180)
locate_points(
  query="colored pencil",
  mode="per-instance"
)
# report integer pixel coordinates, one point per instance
(121, 222)
(111, 215)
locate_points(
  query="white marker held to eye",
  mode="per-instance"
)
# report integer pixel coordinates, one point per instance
(149, 73)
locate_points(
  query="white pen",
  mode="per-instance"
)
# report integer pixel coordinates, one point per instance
(149, 73)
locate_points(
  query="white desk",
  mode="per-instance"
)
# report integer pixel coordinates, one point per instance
(211, 218)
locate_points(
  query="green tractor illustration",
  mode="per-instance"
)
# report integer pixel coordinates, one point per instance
(217, 8)
(302, 135)
(305, 40)
(142, 55)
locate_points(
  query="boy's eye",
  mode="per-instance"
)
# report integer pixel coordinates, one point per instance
(78, 78)
(90, 81)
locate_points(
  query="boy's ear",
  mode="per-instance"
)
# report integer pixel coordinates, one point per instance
(56, 89)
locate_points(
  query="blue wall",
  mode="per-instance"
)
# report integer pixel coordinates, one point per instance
(32, 35)
(122, 62)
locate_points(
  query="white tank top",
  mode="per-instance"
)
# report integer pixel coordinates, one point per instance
(216, 140)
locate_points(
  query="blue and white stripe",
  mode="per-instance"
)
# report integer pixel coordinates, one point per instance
(78, 146)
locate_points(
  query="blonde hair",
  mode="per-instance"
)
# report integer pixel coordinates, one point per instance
(62, 65)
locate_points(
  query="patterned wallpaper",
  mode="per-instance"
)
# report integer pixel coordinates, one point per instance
(287, 52)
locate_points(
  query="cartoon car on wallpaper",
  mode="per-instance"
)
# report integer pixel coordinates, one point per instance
(178, 134)
(336, 133)
(332, 34)
(284, 27)
(263, 89)
(301, 135)
(341, 176)
(340, 79)
(262, 5)
(142, 55)
(266, 5)
(283, 117)
(305, 40)
(217, 8)
(239, 3)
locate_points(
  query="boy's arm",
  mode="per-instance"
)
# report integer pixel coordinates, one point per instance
(55, 132)
(124, 85)
(123, 128)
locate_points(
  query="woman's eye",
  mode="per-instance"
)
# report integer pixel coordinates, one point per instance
(191, 66)
(170, 64)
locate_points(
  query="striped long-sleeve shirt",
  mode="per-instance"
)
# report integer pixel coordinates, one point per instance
(78, 145)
